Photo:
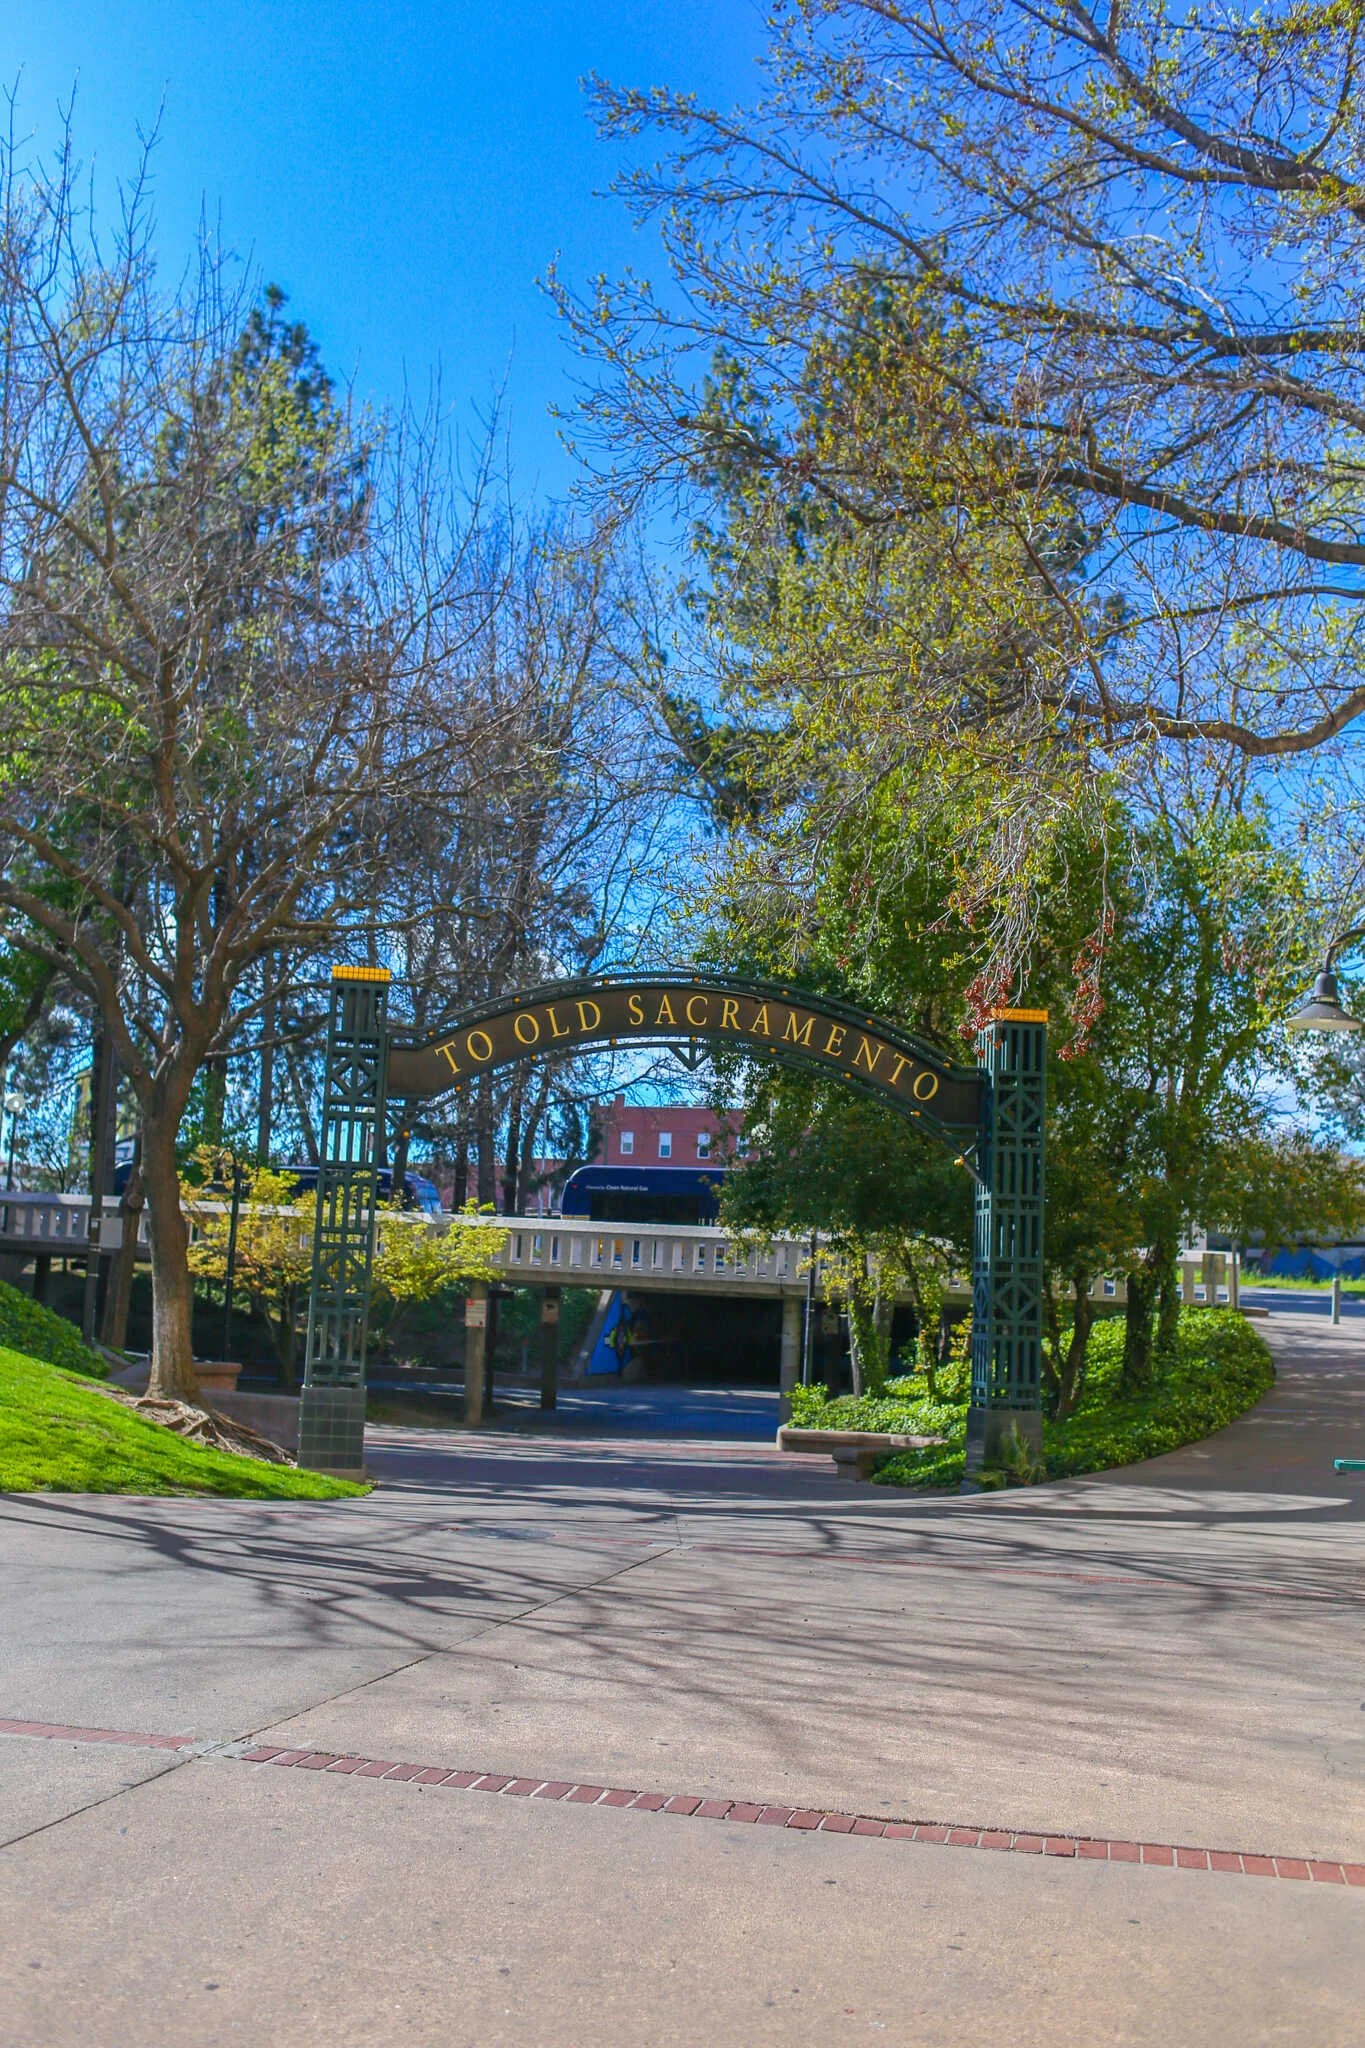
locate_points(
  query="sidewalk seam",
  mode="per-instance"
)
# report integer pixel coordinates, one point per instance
(694, 1806)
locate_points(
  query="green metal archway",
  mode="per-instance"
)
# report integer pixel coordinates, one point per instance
(992, 1116)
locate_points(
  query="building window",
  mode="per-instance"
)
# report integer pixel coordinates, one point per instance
(665, 1144)
(703, 1144)
(627, 1144)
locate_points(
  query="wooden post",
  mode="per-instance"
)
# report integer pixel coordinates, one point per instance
(549, 1347)
(475, 1345)
(490, 1353)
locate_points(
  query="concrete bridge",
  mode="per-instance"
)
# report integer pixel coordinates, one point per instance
(537, 1252)
(662, 1258)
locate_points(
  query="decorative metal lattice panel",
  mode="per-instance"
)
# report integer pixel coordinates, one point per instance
(348, 1181)
(1007, 1273)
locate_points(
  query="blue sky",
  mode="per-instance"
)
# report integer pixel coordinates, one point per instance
(406, 172)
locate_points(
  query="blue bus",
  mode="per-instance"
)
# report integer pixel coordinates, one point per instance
(644, 1194)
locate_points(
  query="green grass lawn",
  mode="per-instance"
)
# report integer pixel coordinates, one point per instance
(1220, 1369)
(59, 1434)
(1302, 1284)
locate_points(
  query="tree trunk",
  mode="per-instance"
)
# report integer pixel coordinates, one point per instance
(172, 1375)
(114, 1332)
(883, 1310)
(486, 1142)
(1052, 1349)
(868, 1346)
(855, 1363)
(299, 1093)
(265, 1101)
(1136, 1374)
(511, 1164)
(460, 1192)
(1168, 1314)
(1071, 1376)
(402, 1142)
(215, 1101)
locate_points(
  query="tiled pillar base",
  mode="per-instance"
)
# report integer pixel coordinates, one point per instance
(988, 1431)
(332, 1431)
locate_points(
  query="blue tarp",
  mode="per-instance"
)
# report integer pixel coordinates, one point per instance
(611, 1353)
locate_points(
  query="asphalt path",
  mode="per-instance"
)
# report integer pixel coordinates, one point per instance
(1167, 1656)
(1300, 1301)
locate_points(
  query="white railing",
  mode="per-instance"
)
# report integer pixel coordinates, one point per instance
(574, 1252)
(700, 1259)
(62, 1222)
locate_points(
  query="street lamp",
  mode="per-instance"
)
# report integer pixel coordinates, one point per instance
(14, 1108)
(1323, 1010)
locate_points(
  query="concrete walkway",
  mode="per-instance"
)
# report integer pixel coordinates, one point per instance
(651, 1709)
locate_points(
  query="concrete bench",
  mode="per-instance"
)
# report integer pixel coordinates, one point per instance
(854, 1451)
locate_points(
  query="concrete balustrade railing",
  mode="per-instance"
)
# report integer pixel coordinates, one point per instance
(61, 1223)
(574, 1252)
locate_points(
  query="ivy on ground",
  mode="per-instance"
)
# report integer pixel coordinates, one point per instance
(1218, 1369)
(26, 1326)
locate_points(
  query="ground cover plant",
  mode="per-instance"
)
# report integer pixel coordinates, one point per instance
(1217, 1368)
(58, 1434)
(37, 1332)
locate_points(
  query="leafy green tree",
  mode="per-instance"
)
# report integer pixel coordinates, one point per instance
(893, 1209)
(1164, 1118)
(272, 1250)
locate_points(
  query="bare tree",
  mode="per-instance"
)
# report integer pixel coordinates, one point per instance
(1129, 245)
(217, 612)
(533, 859)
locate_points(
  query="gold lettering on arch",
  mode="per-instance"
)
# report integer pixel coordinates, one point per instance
(486, 1041)
(665, 1015)
(924, 1087)
(704, 1018)
(531, 1035)
(865, 1056)
(583, 1023)
(801, 1037)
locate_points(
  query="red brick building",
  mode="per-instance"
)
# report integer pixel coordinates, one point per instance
(647, 1134)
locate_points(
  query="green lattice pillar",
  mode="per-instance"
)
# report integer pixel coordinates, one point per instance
(1007, 1269)
(332, 1409)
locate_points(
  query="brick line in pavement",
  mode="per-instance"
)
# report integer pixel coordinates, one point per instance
(759, 1813)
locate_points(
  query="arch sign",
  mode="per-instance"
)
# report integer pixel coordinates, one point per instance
(767, 1019)
(993, 1111)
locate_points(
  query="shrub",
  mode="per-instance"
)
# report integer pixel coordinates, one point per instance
(26, 1326)
(1219, 1368)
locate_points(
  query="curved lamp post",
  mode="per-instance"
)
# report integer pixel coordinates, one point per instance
(1323, 1009)
(15, 1105)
